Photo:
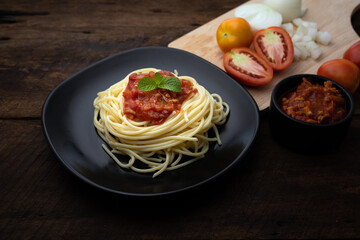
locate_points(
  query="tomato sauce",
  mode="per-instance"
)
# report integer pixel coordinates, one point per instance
(155, 105)
(315, 103)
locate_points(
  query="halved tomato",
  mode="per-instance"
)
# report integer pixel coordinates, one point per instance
(274, 44)
(247, 67)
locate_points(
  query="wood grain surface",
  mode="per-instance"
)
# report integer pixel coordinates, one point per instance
(273, 194)
(333, 16)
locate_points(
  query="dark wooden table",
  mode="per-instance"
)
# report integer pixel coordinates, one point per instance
(273, 193)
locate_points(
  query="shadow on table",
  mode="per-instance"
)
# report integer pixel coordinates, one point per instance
(161, 206)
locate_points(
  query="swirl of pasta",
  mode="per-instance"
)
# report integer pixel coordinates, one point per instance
(180, 140)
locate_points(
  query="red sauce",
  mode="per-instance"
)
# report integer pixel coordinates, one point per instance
(314, 103)
(155, 105)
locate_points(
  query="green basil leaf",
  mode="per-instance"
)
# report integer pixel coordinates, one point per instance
(171, 83)
(158, 78)
(147, 84)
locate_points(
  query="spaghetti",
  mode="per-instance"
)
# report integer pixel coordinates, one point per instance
(154, 148)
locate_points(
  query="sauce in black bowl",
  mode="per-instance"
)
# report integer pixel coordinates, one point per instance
(305, 136)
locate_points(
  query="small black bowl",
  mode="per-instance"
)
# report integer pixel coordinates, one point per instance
(303, 136)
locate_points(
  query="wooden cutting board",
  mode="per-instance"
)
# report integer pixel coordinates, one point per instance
(333, 16)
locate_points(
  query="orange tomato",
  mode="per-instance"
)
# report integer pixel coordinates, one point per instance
(234, 32)
(342, 71)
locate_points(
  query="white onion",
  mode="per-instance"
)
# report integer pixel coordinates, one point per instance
(312, 33)
(289, 9)
(306, 39)
(259, 16)
(314, 49)
(307, 30)
(303, 50)
(323, 37)
(289, 28)
(297, 53)
(297, 37)
(309, 24)
(303, 11)
(297, 21)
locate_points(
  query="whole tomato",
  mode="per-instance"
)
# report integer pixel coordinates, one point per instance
(342, 71)
(234, 32)
(353, 54)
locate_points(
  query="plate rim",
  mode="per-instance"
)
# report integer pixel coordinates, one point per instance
(234, 162)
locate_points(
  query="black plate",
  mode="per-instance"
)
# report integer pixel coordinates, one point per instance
(67, 119)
